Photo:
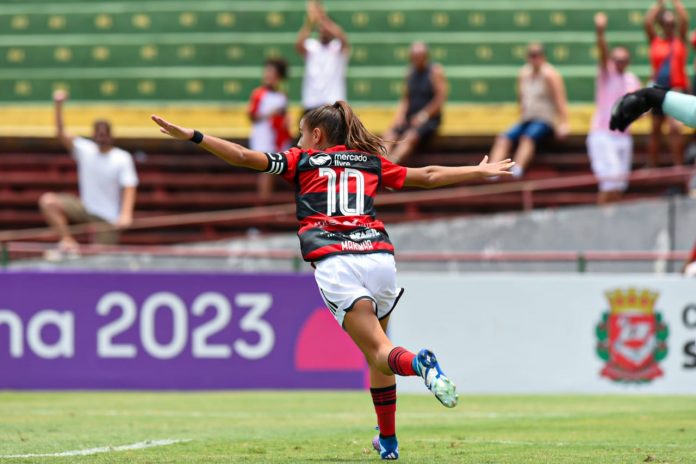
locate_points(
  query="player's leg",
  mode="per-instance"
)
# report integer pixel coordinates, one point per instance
(364, 328)
(56, 209)
(676, 141)
(383, 392)
(654, 140)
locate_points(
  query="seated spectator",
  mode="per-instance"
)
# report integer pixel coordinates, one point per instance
(268, 107)
(611, 153)
(543, 105)
(107, 185)
(326, 59)
(419, 113)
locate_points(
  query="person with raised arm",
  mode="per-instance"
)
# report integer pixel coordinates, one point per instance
(668, 53)
(107, 183)
(611, 153)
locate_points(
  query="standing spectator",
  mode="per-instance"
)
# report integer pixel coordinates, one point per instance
(326, 59)
(107, 183)
(420, 110)
(543, 105)
(610, 152)
(268, 113)
(668, 60)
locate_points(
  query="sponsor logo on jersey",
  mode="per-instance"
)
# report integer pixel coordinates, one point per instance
(362, 246)
(359, 235)
(321, 159)
(632, 336)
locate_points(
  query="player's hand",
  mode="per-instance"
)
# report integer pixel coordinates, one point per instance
(600, 21)
(632, 105)
(60, 95)
(500, 168)
(172, 130)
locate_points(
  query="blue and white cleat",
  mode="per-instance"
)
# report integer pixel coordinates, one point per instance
(388, 448)
(425, 364)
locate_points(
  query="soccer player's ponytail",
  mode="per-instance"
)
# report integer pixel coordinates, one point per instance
(343, 127)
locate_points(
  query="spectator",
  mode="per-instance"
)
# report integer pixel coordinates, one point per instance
(107, 184)
(420, 109)
(690, 266)
(268, 113)
(668, 54)
(610, 152)
(543, 104)
(326, 59)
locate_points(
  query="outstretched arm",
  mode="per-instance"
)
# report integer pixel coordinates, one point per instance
(59, 97)
(650, 17)
(232, 153)
(438, 176)
(681, 107)
(631, 106)
(600, 20)
(682, 17)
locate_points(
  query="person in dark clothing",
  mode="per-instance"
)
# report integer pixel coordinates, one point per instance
(420, 110)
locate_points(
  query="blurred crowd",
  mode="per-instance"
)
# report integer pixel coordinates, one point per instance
(108, 181)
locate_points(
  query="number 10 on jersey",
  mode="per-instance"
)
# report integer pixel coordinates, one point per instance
(343, 200)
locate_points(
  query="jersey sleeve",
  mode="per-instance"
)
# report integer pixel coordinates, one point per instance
(284, 164)
(393, 175)
(128, 177)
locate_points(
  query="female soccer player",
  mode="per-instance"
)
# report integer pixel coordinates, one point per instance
(337, 169)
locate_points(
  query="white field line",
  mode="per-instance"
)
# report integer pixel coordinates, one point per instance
(250, 414)
(90, 451)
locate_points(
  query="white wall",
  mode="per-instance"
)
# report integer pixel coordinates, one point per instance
(535, 333)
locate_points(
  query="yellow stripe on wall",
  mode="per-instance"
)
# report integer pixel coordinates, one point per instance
(133, 121)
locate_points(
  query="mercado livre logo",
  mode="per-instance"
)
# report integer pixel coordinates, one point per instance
(632, 336)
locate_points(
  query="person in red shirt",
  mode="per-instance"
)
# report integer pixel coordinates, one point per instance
(668, 53)
(337, 169)
(267, 111)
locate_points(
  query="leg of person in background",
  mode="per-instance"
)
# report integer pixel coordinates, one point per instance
(53, 211)
(676, 141)
(523, 155)
(264, 187)
(404, 147)
(501, 148)
(385, 360)
(391, 139)
(654, 141)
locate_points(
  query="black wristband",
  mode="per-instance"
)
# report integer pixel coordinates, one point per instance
(197, 137)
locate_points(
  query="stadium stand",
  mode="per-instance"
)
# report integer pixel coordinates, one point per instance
(197, 62)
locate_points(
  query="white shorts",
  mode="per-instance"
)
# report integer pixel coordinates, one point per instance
(345, 279)
(610, 155)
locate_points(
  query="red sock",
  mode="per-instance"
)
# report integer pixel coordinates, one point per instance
(384, 399)
(400, 361)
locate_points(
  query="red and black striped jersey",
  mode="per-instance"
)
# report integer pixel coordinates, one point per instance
(335, 192)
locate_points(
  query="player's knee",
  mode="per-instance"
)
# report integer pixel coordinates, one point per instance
(528, 140)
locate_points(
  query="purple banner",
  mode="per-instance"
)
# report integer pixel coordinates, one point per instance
(95, 330)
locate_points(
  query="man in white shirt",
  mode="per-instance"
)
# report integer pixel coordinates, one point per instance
(107, 184)
(326, 59)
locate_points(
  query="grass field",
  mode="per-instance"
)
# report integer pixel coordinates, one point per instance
(295, 427)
